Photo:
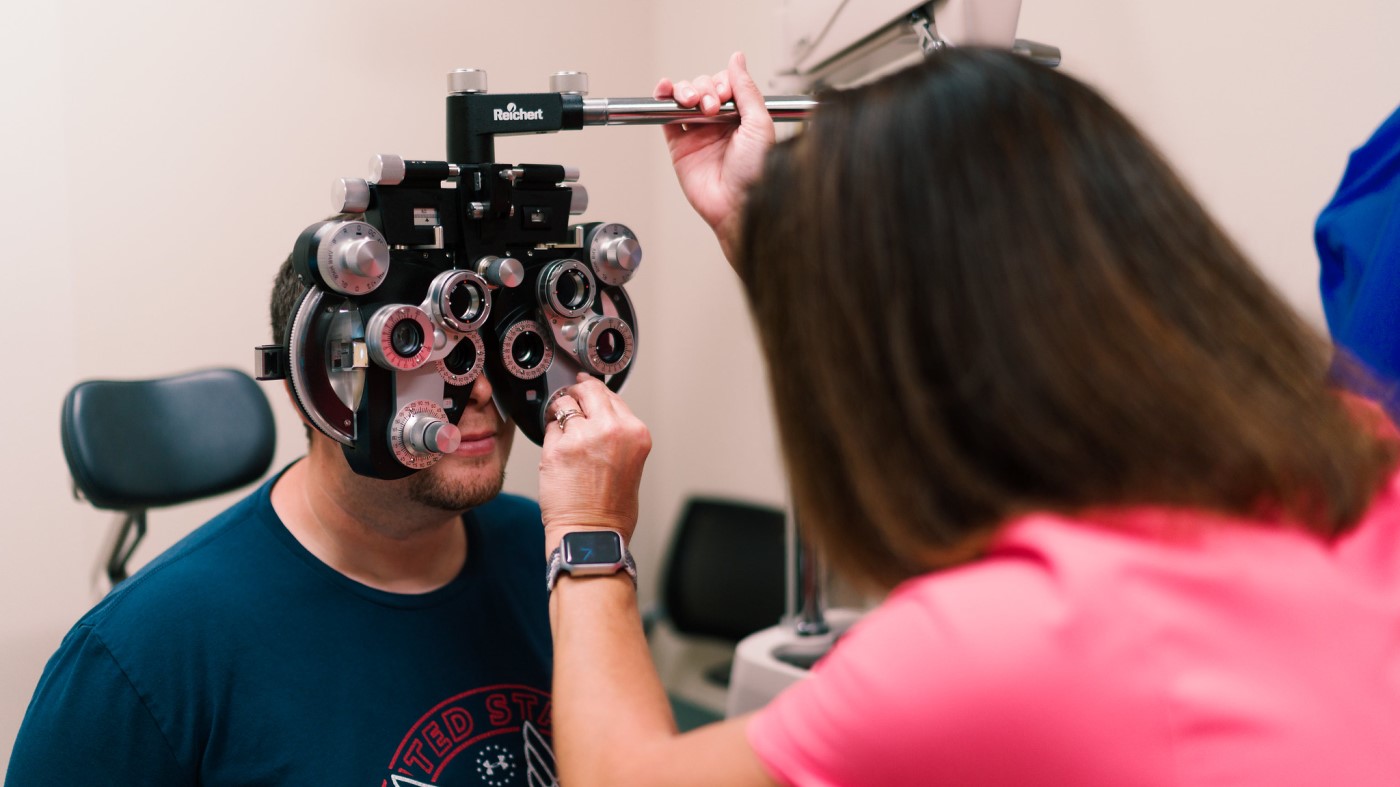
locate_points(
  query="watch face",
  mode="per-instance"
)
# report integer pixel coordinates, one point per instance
(593, 548)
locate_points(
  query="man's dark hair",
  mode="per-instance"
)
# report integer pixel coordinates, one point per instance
(981, 292)
(286, 289)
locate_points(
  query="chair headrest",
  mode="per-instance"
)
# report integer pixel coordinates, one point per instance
(148, 443)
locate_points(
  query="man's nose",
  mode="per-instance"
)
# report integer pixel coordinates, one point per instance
(481, 392)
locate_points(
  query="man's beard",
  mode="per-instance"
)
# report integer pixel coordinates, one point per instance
(433, 489)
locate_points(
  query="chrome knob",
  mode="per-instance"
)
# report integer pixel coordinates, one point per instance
(578, 200)
(349, 257)
(349, 195)
(425, 434)
(386, 169)
(613, 252)
(501, 271)
(575, 82)
(466, 80)
(625, 253)
(367, 257)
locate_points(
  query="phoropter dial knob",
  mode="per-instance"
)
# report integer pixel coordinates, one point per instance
(574, 82)
(466, 80)
(614, 253)
(350, 195)
(350, 257)
(420, 434)
(367, 257)
(425, 434)
(501, 271)
(387, 169)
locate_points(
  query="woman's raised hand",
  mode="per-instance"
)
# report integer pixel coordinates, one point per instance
(715, 162)
(591, 463)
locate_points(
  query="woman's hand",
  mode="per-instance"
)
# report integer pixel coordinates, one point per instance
(716, 162)
(591, 468)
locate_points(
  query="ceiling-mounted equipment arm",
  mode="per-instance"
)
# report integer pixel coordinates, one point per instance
(1036, 52)
(832, 44)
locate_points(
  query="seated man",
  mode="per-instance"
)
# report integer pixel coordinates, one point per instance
(329, 629)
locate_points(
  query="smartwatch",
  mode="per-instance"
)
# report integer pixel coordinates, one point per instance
(587, 553)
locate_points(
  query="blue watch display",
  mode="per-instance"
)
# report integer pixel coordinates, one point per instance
(590, 553)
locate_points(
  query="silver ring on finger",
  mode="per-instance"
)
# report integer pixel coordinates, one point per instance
(562, 417)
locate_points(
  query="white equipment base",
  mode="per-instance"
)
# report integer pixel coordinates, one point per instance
(760, 675)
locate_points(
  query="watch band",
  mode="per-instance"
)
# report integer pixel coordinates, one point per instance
(556, 567)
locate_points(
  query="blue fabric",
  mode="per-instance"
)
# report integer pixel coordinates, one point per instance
(1358, 242)
(238, 658)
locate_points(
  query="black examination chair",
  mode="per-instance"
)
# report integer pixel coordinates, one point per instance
(140, 444)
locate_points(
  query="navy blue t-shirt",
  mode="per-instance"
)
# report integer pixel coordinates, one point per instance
(239, 658)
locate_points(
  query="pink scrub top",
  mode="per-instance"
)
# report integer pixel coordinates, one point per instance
(1136, 647)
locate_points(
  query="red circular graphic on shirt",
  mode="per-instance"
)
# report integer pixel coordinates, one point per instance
(502, 733)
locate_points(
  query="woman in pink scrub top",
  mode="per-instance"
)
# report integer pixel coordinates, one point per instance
(1131, 534)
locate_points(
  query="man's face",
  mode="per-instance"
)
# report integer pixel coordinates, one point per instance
(457, 482)
(472, 475)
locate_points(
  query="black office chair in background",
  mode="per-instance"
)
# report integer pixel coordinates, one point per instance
(140, 444)
(723, 579)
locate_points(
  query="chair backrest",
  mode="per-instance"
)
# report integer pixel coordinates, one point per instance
(725, 574)
(139, 444)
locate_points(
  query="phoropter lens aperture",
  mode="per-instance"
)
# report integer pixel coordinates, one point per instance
(459, 301)
(465, 301)
(528, 350)
(465, 362)
(406, 337)
(398, 337)
(610, 345)
(606, 345)
(462, 358)
(572, 290)
(567, 288)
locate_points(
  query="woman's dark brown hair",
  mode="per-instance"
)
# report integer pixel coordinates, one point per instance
(982, 292)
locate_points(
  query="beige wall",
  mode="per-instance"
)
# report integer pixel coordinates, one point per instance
(161, 158)
(1257, 102)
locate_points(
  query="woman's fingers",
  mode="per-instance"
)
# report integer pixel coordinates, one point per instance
(708, 91)
(724, 90)
(683, 93)
(593, 397)
(748, 99)
(709, 98)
